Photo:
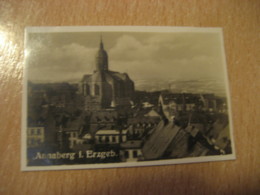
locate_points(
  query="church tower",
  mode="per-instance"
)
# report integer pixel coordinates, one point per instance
(101, 58)
(105, 88)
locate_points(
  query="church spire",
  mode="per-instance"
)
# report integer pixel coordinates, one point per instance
(101, 58)
(101, 46)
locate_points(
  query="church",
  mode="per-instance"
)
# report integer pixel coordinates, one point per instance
(104, 88)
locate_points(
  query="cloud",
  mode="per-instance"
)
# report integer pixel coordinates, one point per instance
(129, 48)
(159, 59)
(156, 59)
(64, 63)
(164, 57)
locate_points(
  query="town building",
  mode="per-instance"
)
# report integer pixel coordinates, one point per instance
(35, 136)
(103, 119)
(131, 151)
(142, 123)
(69, 131)
(110, 136)
(171, 141)
(174, 103)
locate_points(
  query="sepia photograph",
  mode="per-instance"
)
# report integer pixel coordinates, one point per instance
(102, 97)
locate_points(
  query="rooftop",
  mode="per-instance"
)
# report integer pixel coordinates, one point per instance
(132, 144)
(110, 132)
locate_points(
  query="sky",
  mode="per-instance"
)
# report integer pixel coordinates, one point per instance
(178, 61)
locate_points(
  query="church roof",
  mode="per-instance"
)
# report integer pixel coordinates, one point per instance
(119, 76)
(98, 76)
(86, 78)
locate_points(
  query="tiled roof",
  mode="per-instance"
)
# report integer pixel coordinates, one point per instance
(159, 141)
(104, 116)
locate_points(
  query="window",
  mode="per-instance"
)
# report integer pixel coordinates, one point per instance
(87, 90)
(126, 154)
(135, 153)
(97, 88)
(107, 139)
(114, 139)
(38, 131)
(38, 142)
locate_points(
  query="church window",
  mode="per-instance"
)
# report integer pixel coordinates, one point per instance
(97, 92)
(87, 90)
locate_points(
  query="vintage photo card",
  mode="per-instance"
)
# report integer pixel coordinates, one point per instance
(100, 97)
